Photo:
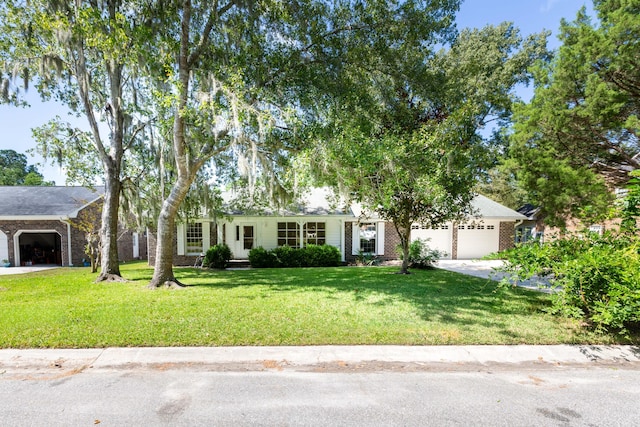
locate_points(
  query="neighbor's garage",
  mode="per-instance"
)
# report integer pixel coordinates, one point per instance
(40, 248)
(476, 240)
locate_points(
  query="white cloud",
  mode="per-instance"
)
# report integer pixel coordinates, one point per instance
(546, 7)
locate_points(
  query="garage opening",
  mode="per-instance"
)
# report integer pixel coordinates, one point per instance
(40, 249)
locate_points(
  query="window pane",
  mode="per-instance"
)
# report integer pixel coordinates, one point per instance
(368, 238)
(194, 238)
(248, 237)
(314, 233)
(289, 234)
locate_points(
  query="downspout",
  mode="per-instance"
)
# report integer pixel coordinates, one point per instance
(68, 240)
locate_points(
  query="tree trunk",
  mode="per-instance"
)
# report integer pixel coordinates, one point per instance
(404, 233)
(404, 241)
(163, 269)
(110, 267)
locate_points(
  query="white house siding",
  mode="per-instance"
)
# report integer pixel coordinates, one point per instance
(266, 231)
(439, 238)
(477, 239)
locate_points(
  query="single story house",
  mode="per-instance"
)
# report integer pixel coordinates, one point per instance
(319, 220)
(38, 225)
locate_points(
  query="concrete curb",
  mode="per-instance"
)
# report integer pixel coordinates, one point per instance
(76, 360)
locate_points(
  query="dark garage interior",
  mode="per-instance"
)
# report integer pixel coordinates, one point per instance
(40, 248)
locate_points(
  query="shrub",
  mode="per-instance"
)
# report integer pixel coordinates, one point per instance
(420, 254)
(321, 256)
(286, 256)
(217, 256)
(597, 277)
(368, 259)
(289, 257)
(261, 258)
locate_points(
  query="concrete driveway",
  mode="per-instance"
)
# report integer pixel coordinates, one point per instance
(486, 269)
(22, 270)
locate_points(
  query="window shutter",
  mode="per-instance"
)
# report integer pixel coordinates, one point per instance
(380, 239)
(180, 234)
(355, 238)
(206, 236)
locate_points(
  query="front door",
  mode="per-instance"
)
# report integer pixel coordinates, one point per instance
(245, 240)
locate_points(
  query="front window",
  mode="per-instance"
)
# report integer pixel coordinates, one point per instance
(289, 234)
(524, 234)
(314, 233)
(368, 236)
(194, 238)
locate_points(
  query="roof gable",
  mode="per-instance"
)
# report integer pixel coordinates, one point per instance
(21, 201)
(484, 207)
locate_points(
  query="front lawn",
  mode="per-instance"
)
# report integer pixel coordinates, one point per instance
(347, 305)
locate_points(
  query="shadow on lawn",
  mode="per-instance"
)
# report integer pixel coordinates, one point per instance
(438, 295)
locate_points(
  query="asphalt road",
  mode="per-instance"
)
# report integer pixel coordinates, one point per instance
(330, 394)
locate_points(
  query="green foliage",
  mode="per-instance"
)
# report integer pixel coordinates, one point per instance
(217, 256)
(414, 131)
(421, 256)
(367, 259)
(261, 258)
(578, 136)
(287, 257)
(15, 171)
(630, 212)
(321, 255)
(597, 277)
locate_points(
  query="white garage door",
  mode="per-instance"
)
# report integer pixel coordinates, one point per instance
(478, 240)
(438, 238)
(4, 246)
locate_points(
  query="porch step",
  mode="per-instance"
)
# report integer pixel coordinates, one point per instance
(239, 263)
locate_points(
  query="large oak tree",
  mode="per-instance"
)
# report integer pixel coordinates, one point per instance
(414, 153)
(246, 79)
(84, 55)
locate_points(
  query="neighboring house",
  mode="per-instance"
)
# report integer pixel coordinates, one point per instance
(38, 225)
(531, 228)
(319, 221)
(534, 227)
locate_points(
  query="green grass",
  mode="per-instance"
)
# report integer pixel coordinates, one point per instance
(64, 308)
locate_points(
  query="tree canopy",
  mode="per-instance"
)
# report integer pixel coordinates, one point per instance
(14, 170)
(85, 56)
(577, 139)
(414, 153)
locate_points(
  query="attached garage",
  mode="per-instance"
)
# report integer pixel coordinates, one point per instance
(490, 230)
(476, 240)
(437, 238)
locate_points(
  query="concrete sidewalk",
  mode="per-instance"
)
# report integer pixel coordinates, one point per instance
(333, 358)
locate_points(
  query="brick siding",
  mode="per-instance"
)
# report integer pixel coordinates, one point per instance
(507, 236)
(183, 260)
(61, 257)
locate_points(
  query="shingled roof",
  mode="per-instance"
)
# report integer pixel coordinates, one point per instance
(486, 208)
(19, 202)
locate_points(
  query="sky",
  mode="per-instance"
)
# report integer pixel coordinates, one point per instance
(530, 16)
